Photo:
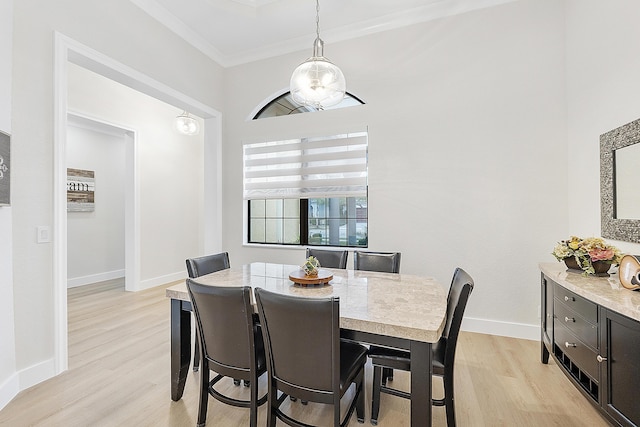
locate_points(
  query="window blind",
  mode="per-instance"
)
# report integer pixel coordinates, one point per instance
(333, 166)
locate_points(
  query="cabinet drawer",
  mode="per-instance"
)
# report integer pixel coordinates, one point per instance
(585, 331)
(579, 353)
(585, 308)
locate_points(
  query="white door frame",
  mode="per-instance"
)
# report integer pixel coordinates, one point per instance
(68, 50)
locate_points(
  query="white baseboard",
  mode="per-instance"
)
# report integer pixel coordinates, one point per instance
(24, 379)
(161, 280)
(504, 329)
(9, 389)
(94, 278)
(37, 373)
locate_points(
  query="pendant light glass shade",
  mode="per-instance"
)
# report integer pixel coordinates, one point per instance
(317, 81)
(186, 124)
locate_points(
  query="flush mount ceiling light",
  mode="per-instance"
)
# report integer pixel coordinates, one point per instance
(186, 124)
(317, 81)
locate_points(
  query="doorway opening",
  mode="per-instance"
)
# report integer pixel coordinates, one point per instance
(69, 51)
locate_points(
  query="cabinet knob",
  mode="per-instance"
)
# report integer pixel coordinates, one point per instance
(569, 319)
(569, 344)
(600, 358)
(566, 298)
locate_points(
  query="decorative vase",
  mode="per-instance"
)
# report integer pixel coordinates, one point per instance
(311, 266)
(601, 267)
(572, 263)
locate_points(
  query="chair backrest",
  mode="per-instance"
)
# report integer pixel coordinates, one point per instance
(461, 287)
(207, 264)
(225, 325)
(302, 342)
(385, 262)
(329, 259)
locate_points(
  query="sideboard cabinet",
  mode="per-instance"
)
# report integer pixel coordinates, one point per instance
(591, 327)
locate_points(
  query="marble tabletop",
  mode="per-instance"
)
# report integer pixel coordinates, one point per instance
(605, 291)
(400, 305)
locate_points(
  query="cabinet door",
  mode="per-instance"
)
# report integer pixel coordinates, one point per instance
(546, 318)
(621, 369)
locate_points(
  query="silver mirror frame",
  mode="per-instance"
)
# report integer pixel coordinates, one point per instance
(627, 230)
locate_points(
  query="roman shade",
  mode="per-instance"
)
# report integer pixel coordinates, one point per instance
(331, 166)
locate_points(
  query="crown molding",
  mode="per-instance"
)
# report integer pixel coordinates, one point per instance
(429, 12)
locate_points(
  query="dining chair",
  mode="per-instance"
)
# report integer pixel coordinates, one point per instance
(329, 258)
(385, 262)
(200, 266)
(306, 357)
(443, 352)
(231, 344)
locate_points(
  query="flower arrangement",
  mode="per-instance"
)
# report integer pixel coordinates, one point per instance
(586, 252)
(311, 266)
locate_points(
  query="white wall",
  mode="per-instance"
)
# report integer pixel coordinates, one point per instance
(467, 150)
(481, 103)
(603, 66)
(95, 240)
(170, 171)
(8, 377)
(124, 33)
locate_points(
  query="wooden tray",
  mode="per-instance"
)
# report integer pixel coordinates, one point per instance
(300, 279)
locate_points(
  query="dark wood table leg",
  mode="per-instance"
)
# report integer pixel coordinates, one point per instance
(180, 346)
(421, 373)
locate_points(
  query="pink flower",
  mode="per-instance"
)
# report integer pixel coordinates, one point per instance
(598, 254)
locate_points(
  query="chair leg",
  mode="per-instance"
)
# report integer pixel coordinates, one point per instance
(253, 406)
(448, 399)
(272, 406)
(360, 402)
(387, 374)
(375, 399)
(204, 395)
(196, 355)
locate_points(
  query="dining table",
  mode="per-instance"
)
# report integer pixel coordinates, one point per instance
(400, 311)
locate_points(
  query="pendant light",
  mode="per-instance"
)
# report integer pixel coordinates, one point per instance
(317, 81)
(186, 124)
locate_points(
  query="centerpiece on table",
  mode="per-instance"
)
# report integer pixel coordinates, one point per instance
(311, 274)
(592, 256)
(311, 266)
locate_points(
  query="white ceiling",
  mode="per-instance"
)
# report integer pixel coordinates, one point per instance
(233, 32)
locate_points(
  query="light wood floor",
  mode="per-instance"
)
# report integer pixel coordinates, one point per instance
(119, 376)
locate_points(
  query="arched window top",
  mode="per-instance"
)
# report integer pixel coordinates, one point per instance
(284, 105)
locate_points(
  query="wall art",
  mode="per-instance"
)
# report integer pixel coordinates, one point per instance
(80, 190)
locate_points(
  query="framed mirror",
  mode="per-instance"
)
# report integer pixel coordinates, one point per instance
(620, 183)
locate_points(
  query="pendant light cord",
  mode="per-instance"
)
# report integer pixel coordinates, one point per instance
(317, 18)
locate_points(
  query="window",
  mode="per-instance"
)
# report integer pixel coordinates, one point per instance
(309, 191)
(284, 105)
(333, 221)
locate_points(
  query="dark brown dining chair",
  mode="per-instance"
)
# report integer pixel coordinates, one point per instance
(200, 266)
(385, 262)
(306, 357)
(329, 258)
(443, 352)
(231, 344)
(207, 264)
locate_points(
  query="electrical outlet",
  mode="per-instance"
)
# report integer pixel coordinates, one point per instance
(43, 234)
